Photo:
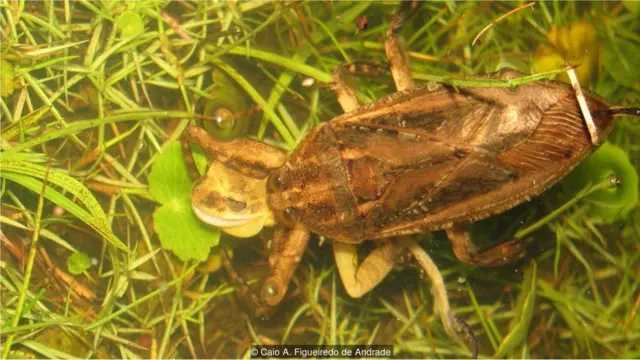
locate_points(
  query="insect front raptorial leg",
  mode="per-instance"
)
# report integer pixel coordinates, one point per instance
(286, 252)
(496, 255)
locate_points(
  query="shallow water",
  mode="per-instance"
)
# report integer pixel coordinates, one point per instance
(272, 84)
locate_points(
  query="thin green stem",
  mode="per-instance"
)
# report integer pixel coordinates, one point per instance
(30, 262)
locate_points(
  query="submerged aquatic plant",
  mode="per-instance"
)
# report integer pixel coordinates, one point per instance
(179, 230)
(614, 202)
(99, 92)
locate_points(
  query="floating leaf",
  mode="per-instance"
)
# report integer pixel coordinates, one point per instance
(178, 227)
(611, 203)
(78, 262)
(169, 179)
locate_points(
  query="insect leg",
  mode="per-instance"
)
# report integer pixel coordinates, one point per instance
(250, 157)
(345, 94)
(452, 324)
(288, 248)
(394, 46)
(396, 54)
(497, 255)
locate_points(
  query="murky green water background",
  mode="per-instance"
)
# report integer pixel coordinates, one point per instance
(267, 63)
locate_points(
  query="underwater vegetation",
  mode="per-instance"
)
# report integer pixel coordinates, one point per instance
(102, 254)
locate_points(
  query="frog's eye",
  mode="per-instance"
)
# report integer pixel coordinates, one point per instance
(236, 205)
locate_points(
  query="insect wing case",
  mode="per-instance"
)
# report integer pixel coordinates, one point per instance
(430, 156)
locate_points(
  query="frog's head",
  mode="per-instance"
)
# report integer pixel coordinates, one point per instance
(231, 201)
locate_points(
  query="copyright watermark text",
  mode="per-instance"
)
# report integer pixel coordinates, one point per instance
(321, 351)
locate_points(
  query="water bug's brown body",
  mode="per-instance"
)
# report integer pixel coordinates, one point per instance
(430, 156)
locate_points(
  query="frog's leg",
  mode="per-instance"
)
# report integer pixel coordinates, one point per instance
(250, 157)
(360, 279)
(287, 250)
(242, 287)
(497, 255)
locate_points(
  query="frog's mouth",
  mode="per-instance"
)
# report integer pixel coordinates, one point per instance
(229, 220)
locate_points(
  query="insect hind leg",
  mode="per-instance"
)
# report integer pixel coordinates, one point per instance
(497, 255)
(452, 324)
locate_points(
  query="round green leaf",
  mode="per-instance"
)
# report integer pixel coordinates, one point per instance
(182, 232)
(169, 179)
(611, 203)
(178, 228)
(130, 24)
(78, 262)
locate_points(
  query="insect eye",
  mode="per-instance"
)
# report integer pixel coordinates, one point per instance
(236, 205)
(275, 182)
(288, 216)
